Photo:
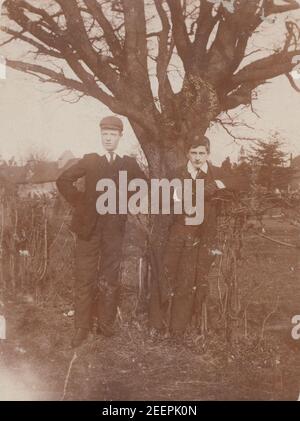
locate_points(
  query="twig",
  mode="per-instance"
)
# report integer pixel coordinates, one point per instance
(60, 229)
(267, 318)
(204, 319)
(120, 314)
(68, 375)
(282, 243)
(245, 323)
(218, 283)
(44, 264)
(139, 297)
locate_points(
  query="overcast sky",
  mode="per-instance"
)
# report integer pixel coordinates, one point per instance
(32, 116)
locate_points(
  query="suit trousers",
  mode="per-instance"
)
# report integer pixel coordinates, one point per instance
(184, 278)
(97, 267)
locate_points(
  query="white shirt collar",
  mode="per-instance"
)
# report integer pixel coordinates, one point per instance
(193, 171)
(115, 152)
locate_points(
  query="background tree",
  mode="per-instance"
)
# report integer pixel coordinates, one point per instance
(36, 154)
(226, 165)
(270, 160)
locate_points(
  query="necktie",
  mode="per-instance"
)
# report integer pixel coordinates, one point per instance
(111, 157)
(200, 174)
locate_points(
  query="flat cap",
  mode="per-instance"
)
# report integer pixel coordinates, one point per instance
(111, 122)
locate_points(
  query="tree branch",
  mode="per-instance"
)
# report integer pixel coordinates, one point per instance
(181, 38)
(78, 38)
(135, 37)
(110, 37)
(63, 41)
(136, 77)
(205, 24)
(271, 7)
(91, 89)
(292, 82)
(40, 47)
(53, 77)
(163, 58)
(232, 35)
(16, 13)
(265, 68)
(241, 96)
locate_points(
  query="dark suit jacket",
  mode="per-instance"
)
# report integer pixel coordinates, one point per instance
(93, 167)
(208, 229)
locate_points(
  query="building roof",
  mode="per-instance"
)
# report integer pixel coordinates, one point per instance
(43, 172)
(65, 158)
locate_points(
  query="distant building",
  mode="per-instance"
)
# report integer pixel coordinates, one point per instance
(36, 178)
(65, 157)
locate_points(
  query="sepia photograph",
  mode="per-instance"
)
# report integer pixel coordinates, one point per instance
(149, 203)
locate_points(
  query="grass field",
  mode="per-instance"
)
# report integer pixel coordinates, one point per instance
(262, 364)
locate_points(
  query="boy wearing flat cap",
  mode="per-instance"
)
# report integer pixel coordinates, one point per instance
(98, 236)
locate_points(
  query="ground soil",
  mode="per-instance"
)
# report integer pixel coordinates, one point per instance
(37, 363)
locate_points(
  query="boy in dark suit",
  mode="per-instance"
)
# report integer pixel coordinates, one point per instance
(190, 249)
(98, 236)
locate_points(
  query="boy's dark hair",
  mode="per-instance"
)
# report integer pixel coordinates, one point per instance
(198, 141)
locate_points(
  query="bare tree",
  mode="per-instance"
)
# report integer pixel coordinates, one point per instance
(36, 154)
(123, 52)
